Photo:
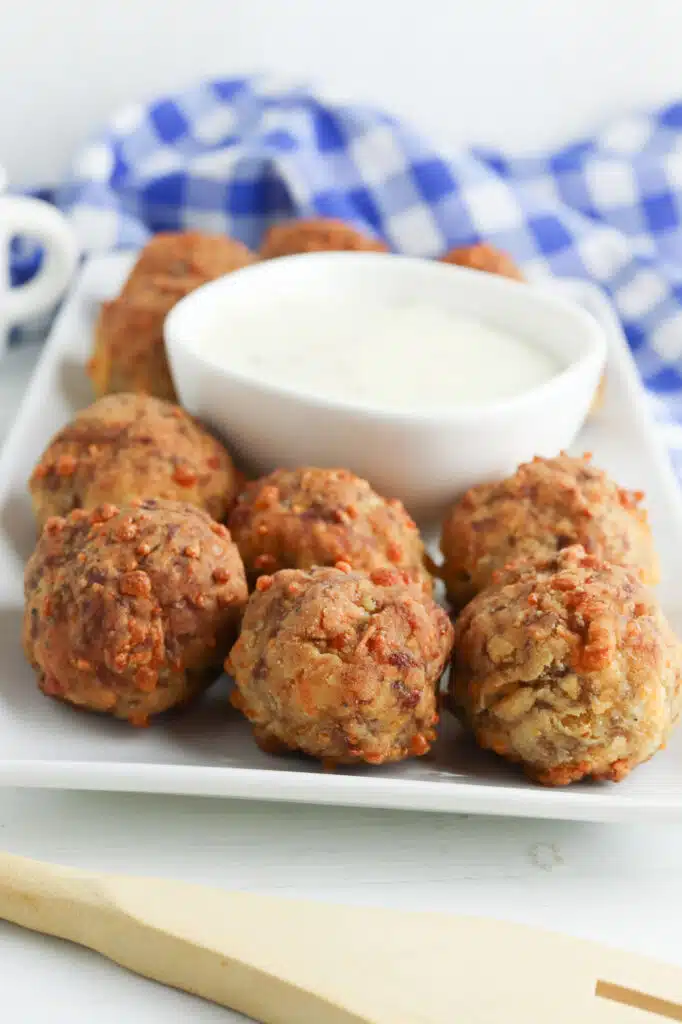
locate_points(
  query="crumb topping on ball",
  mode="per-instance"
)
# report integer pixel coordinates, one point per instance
(125, 447)
(131, 610)
(305, 517)
(568, 667)
(341, 665)
(545, 506)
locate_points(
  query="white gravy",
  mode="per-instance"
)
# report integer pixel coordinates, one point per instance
(392, 357)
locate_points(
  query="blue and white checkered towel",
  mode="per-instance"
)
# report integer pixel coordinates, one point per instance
(236, 155)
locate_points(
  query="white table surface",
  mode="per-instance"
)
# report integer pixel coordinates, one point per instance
(617, 884)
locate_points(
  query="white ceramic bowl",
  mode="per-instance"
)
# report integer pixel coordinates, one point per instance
(425, 458)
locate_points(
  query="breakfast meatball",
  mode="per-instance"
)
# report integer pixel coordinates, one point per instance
(181, 261)
(131, 611)
(547, 505)
(322, 235)
(484, 257)
(129, 352)
(295, 519)
(569, 668)
(341, 665)
(132, 446)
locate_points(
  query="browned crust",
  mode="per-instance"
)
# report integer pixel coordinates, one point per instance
(341, 665)
(317, 235)
(486, 257)
(296, 519)
(131, 611)
(569, 668)
(546, 505)
(132, 446)
(129, 352)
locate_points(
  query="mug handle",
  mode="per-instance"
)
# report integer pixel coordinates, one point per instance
(21, 215)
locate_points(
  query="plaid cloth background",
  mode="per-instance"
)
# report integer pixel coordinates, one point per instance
(236, 155)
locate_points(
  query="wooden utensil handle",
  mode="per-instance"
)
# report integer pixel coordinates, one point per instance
(43, 896)
(287, 961)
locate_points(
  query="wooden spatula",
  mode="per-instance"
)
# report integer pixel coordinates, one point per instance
(292, 962)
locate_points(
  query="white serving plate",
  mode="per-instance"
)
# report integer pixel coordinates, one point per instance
(208, 751)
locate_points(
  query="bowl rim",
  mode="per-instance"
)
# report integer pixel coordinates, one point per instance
(464, 413)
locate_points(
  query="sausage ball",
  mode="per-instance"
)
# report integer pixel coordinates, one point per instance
(484, 257)
(341, 665)
(299, 518)
(132, 446)
(131, 611)
(129, 352)
(321, 235)
(547, 505)
(569, 668)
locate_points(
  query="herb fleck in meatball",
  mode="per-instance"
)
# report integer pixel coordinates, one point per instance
(569, 668)
(322, 235)
(131, 611)
(547, 505)
(484, 257)
(132, 446)
(296, 519)
(341, 665)
(129, 353)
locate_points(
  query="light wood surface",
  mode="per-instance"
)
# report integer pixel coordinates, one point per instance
(291, 961)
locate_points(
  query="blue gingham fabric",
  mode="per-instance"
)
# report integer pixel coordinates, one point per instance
(239, 154)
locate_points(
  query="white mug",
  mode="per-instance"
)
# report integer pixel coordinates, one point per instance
(35, 219)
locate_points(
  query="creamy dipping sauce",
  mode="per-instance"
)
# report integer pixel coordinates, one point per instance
(405, 355)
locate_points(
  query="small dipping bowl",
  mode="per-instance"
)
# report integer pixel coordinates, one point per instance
(424, 456)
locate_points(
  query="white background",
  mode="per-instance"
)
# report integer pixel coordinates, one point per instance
(521, 72)
(512, 71)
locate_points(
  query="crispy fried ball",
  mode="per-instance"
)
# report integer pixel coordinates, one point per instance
(295, 519)
(321, 235)
(132, 446)
(569, 668)
(484, 257)
(129, 352)
(547, 505)
(341, 665)
(132, 611)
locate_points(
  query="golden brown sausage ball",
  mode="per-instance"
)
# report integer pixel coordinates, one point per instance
(569, 668)
(320, 235)
(547, 505)
(132, 446)
(299, 518)
(484, 257)
(181, 261)
(129, 352)
(341, 665)
(131, 611)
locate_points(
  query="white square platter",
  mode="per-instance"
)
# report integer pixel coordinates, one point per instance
(208, 751)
